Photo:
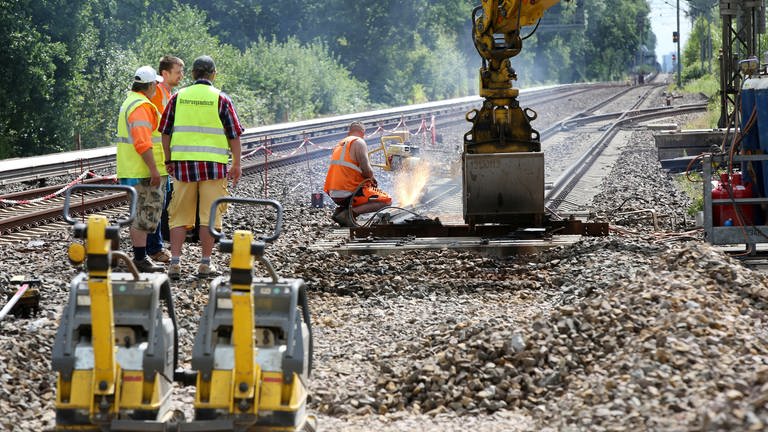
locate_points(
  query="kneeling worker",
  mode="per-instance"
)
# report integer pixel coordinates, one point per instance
(350, 182)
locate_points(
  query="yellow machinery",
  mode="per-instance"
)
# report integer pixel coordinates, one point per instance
(398, 152)
(503, 167)
(114, 359)
(116, 348)
(253, 350)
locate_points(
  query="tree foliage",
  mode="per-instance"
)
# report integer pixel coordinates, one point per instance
(706, 9)
(601, 42)
(698, 52)
(70, 62)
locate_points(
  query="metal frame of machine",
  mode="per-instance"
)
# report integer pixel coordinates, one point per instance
(114, 358)
(742, 21)
(740, 83)
(116, 350)
(750, 235)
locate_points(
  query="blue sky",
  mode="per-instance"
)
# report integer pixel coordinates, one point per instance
(664, 21)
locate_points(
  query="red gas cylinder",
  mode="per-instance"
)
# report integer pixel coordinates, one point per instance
(726, 214)
(719, 192)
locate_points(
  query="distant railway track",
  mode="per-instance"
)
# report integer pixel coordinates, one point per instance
(568, 180)
(283, 136)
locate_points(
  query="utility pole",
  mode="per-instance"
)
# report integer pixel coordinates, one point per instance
(709, 41)
(679, 58)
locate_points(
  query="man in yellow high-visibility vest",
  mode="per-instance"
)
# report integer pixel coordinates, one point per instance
(140, 162)
(200, 129)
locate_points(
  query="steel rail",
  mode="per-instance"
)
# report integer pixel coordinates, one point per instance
(584, 117)
(294, 137)
(443, 189)
(44, 191)
(279, 136)
(39, 217)
(568, 180)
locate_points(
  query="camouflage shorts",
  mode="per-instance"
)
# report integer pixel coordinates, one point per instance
(149, 208)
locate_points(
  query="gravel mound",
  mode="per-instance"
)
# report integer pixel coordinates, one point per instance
(648, 329)
(670, 345)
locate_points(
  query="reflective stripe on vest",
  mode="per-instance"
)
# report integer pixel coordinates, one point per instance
(342, 158)
(343, 173)
(164, 92)
(129, 163)
(198, 134)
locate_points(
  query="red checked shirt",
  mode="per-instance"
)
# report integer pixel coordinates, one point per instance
(194, 171)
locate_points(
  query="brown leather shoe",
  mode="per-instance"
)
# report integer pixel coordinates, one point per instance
(163, 256)
(148, 266)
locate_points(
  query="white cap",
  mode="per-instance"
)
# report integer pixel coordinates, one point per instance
(146, 74)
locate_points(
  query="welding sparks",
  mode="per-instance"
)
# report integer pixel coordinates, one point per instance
(410, 183)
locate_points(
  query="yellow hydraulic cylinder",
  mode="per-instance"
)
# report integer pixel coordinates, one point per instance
(245, 373)
(106, 370)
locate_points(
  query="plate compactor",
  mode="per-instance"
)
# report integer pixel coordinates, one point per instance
(116, 349)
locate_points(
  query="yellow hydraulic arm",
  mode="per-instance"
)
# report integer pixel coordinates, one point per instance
(501, 125)
(246, 374)
(105, 368)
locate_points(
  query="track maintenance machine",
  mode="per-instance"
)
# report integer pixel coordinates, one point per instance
(116, 350)
(502, 163)
(253, 350)
(399, 153)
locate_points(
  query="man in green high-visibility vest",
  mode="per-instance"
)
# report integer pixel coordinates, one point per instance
(199, 129)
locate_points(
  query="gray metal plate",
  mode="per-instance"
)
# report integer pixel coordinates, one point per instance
(503, 184)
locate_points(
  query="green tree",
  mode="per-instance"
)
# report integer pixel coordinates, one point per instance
(697, 55)
(615, 32)
(299, 81)
(707, 9)
(72, 60)
(30, 121)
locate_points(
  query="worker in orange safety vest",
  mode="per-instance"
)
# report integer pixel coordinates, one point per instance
(350, 182)
(172, 72)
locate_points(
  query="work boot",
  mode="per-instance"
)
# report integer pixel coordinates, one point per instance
(341, 217)
(162, 256)
(148, 266)
(206, 270)
(174, 271)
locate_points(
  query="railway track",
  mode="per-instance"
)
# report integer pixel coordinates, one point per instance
(569, 179)
(279, 137)
(288, 151)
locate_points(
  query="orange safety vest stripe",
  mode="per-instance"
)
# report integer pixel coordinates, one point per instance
(141, 134)
(342, 176)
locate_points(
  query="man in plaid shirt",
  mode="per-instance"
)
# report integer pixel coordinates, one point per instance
(200, 129)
